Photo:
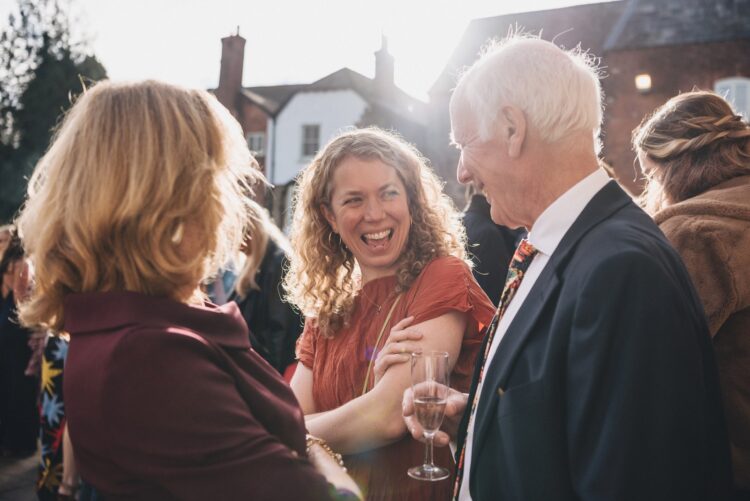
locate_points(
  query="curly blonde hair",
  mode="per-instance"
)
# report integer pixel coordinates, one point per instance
(695, 141)
(143, 189)
(323, 278)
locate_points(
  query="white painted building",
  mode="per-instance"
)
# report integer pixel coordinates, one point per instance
(308, 121)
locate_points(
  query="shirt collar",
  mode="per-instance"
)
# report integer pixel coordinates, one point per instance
(552, 225)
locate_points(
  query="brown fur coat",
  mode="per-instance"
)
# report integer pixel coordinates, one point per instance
(712, 234)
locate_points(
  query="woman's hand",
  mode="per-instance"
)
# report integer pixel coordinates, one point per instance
(398, 347)
(328, 466)
(375, 418)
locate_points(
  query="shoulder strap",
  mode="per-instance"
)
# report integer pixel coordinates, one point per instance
(377, 344)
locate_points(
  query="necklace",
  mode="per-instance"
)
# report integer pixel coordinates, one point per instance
(377, 306)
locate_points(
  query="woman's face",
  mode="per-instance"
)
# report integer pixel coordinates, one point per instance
(647, 165)
(9, 277)
(17, 279)
(369, 210)
(655, 196)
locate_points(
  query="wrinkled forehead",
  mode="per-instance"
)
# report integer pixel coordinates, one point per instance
(463, 123)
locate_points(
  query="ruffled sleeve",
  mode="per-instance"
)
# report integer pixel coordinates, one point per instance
(306, 344)
(445, 285)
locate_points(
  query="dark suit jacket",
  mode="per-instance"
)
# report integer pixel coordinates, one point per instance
(604, 385)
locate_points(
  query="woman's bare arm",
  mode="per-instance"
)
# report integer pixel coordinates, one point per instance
(374, 419)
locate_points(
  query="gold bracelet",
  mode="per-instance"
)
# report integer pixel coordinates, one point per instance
(311, 440)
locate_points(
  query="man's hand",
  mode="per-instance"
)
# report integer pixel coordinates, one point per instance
(398, 347)
(454, 410)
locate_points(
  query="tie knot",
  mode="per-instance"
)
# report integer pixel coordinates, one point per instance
(524, 253)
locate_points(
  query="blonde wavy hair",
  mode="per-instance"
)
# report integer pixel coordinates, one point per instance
(323, 278)
(144, 189)
(694, 141)
(259, 231)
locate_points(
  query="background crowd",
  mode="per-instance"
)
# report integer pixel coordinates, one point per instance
(138, 387)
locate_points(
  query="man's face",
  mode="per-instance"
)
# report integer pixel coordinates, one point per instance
(488, 166)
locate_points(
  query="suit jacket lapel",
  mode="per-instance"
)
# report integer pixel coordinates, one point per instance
(463, 426)
(607, 201)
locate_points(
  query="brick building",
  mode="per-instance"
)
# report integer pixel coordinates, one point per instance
(253, 107)
(675, 45)
(671, 46)
(285, 125)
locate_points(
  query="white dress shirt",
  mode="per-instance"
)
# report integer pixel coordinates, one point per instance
(546, 234)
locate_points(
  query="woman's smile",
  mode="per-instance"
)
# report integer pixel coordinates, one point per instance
(369, 209)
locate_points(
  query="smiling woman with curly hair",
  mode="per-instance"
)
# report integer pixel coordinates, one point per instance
(379, 269)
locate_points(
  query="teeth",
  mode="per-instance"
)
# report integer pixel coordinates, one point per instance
(377, 236)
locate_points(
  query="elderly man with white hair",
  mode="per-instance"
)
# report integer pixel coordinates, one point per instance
(597, 379)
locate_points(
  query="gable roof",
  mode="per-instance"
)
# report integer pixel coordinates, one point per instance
(272, 97)
(654, 23)
(588, 25)
(397, 102)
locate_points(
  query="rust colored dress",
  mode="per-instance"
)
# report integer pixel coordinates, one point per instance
(339, 365)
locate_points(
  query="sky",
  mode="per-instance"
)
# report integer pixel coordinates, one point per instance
(288, 41)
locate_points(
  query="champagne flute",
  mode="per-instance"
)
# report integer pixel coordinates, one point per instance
(429, 378)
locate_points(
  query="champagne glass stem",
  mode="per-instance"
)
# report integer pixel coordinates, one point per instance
(428, 457)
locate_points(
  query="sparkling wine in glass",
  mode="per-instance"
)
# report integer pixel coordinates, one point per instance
(429, 378)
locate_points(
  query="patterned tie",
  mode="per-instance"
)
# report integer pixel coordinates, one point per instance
(518, 265)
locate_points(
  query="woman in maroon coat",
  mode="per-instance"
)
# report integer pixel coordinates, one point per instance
(141, 193)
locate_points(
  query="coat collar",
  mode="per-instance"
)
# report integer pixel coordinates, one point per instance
(728, 199)
(102, 312)
(606, 202)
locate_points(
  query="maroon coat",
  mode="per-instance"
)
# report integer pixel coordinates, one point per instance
(168, 401)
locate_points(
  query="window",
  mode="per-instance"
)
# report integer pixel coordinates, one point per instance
(736, 90)
(310, 140)
(256, 141)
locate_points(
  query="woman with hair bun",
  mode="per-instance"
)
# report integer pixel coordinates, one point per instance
(379, 270)
(142, 192)
(695, 154)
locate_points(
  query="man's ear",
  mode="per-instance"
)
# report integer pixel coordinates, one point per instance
(513, 129)
(328, 214)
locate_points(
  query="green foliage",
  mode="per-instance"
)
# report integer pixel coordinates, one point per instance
(41, 70)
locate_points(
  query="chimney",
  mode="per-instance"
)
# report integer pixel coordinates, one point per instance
(384, 70)
(230, 76)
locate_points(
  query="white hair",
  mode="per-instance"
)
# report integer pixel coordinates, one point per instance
(558, 90)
